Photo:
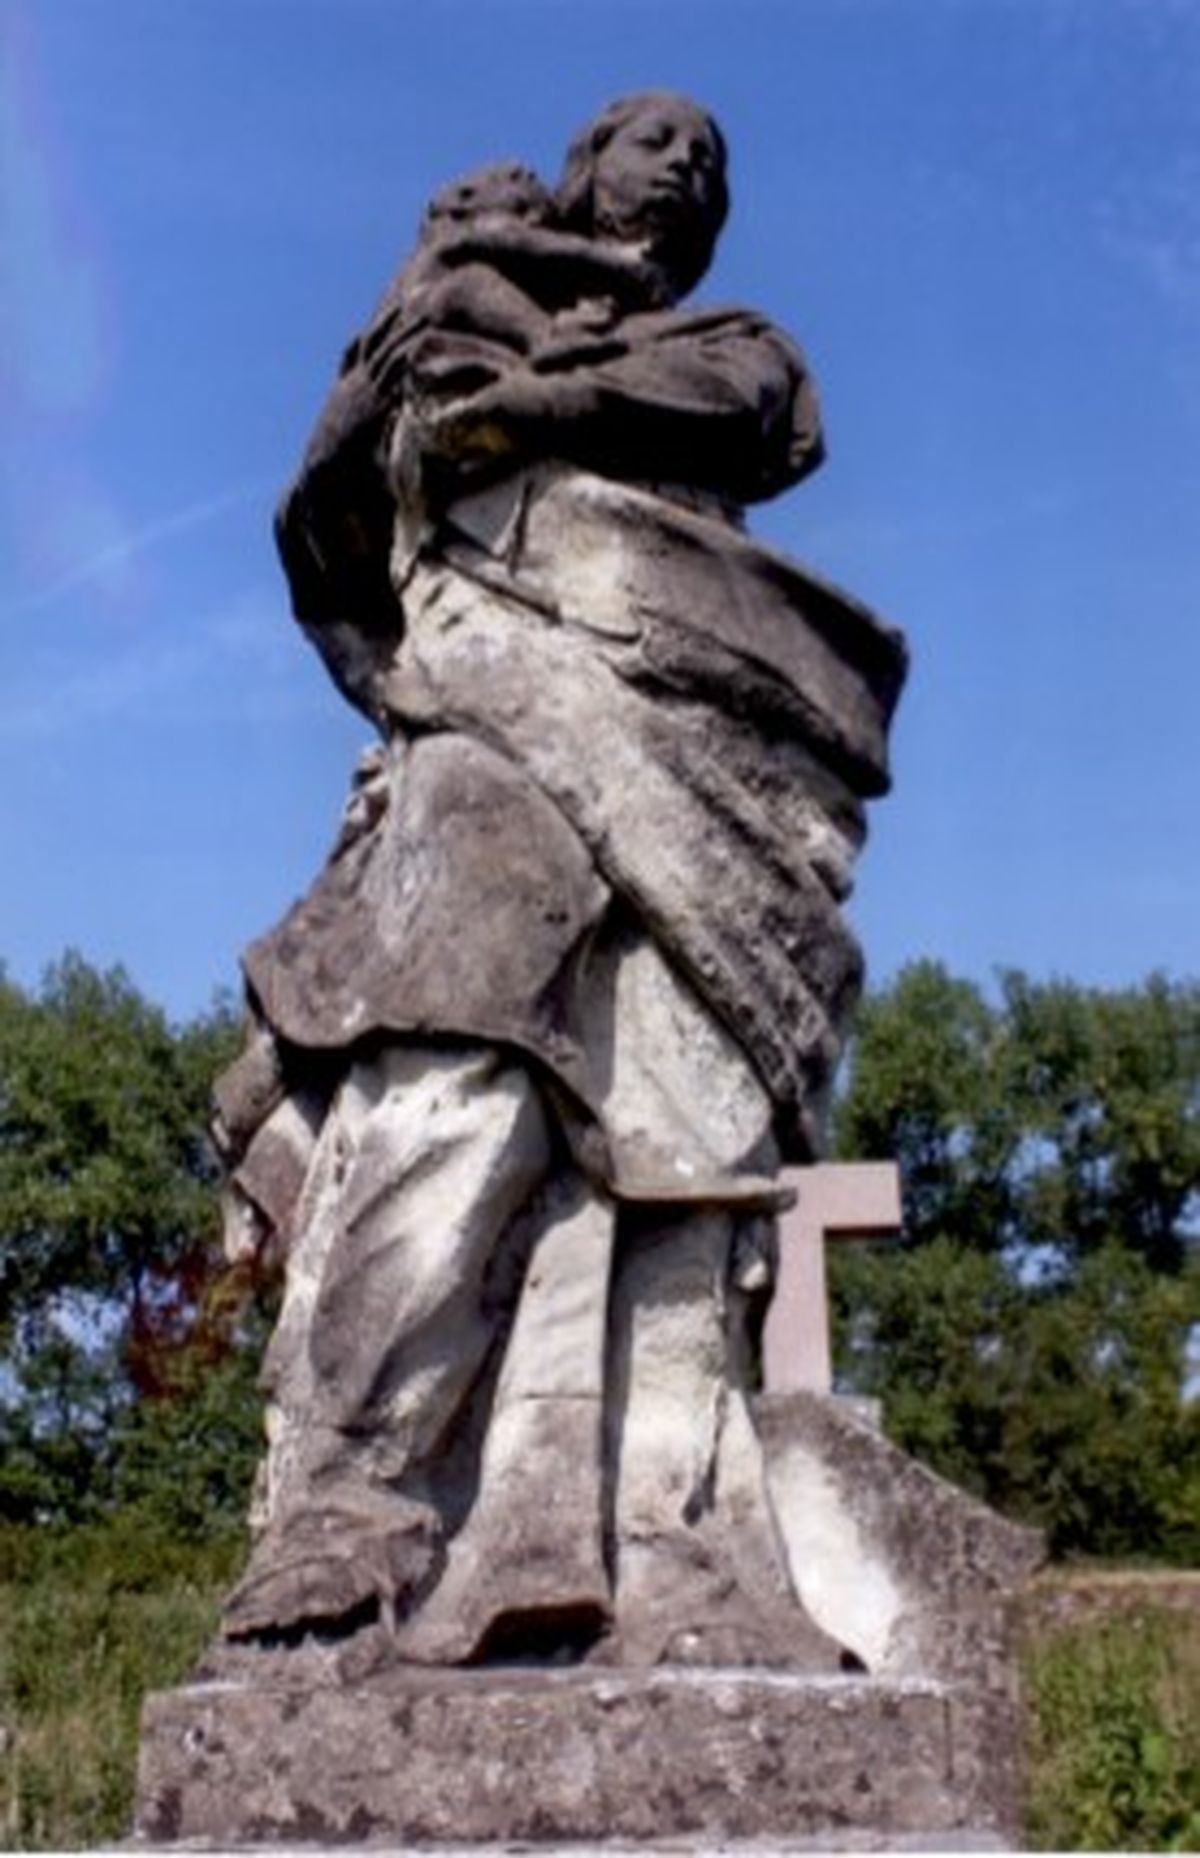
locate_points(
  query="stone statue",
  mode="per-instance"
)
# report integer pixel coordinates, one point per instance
(525, 1065)
(529, 1054)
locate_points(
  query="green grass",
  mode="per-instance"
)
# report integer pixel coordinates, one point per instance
(91, 1620)
(1114, 1734)
(88, 1624)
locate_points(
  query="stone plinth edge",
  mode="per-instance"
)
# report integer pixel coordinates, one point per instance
(911, 1573)
(498, 1755)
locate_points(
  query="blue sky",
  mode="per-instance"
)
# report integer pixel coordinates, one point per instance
(981, 218)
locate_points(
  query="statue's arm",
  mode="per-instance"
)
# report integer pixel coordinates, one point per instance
(553, 265)
(721, 401)
(333, 524)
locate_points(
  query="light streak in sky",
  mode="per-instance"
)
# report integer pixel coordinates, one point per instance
(115, 554)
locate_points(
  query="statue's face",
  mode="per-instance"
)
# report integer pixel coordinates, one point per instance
(660, 173)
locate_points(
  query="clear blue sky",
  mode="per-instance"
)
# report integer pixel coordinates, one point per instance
(980, 217)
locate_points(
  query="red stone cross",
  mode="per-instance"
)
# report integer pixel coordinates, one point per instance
(834, 1200)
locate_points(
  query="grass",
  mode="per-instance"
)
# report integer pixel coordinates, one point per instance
(88, 1624)
(92, 1620)
(1113, 1710)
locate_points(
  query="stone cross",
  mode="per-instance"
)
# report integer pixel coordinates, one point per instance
(842, 1200)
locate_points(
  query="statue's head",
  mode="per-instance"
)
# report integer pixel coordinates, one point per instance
(650, 170)
(504, 188)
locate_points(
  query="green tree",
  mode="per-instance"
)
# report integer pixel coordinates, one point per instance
(1030, 1335)
(109, 1260)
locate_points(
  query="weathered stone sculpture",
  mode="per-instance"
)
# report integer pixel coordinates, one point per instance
(572, 985)
(575, 974)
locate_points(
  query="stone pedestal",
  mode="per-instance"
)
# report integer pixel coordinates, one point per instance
(493, 1755)
(920, 1748)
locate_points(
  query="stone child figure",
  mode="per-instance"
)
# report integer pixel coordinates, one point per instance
(495, 275)
(493, 264)
(529, 1054)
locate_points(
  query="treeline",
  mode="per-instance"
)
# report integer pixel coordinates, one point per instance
(1035, 1335)
(127, 1352)
(1029, 1335)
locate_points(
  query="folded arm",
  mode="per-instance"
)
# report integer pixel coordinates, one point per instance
(720, 401)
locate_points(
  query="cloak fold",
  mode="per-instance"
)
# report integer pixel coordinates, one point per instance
(602, 692)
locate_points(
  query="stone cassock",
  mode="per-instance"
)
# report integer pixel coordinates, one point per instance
(529, 1054)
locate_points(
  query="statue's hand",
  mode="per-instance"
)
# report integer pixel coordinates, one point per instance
(500, 420)
(581, 337)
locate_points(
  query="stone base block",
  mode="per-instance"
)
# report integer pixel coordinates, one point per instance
(499, 1755)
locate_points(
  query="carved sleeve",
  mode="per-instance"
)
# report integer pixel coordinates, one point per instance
(717, 400)
(333, 530)
(722, 400)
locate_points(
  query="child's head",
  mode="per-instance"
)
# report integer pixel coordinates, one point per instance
(505, 189)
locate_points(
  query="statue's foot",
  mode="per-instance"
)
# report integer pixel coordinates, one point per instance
(680, 1602)
(333, 1568)
(541, 1612)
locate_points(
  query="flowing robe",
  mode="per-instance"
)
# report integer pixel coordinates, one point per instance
(645, 704)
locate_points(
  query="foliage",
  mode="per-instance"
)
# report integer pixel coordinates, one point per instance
(1060, 1405)
(182, 1464)
(105, 1177)
(1030, 1335)
(117, 1324)
(1114, 1735)
(1060, 1120)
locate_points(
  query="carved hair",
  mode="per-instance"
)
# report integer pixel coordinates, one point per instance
(689, 258)
(505, 187)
